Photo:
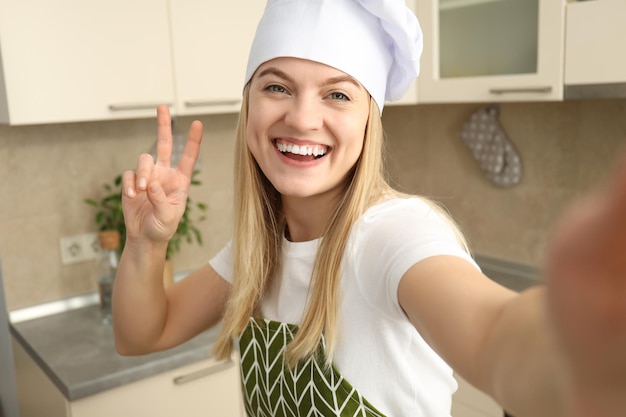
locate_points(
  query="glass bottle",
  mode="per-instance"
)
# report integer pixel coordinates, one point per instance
(106, 269)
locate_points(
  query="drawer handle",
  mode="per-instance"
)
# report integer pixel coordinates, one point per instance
(520, 90)
(135, 106)
(213, 369)
(203, 103)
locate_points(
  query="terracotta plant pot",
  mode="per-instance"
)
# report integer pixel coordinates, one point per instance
(109, 239)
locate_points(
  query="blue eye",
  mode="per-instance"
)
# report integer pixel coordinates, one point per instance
(339, 96)
(275, 88)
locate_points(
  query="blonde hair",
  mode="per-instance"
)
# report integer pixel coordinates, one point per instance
(259, 229)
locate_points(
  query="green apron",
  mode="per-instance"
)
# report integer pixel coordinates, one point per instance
(311, 389)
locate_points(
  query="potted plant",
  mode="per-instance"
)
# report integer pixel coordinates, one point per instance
(110, 217)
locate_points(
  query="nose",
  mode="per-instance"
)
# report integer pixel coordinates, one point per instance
(305, 113)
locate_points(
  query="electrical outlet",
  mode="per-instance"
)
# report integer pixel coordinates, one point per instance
(79, 248)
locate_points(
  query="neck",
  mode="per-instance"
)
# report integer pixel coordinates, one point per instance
(308, 217)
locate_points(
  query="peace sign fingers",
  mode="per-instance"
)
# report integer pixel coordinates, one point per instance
(164, 136)
(192, 149)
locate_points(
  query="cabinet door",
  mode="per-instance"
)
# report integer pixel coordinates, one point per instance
(491, 50)
(37, 394)
(211, 41)
(593, 48)
(70, 60)
(207, 388)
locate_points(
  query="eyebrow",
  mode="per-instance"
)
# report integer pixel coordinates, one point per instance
(330, 81)
(342, 79)
(276, 72)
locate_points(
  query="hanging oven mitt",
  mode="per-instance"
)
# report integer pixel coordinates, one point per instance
(492, 148)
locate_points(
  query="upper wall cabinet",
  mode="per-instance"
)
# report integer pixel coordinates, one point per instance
(67, 61)
(595, 65)
(491, 50)
(211, 41)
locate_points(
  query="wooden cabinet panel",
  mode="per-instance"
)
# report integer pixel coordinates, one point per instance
(66, 60)
(210, 43)
(203, 389)
(593, 42)
(70, 61)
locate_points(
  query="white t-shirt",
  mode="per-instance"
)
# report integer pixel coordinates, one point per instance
(378, 350)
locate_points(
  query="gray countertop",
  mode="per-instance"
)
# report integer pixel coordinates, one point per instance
(77, 352)
(513, 275)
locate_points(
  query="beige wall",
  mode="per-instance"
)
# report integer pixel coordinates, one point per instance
(565, 148)
(47, 171)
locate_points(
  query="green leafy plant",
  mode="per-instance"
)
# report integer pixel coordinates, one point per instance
(110, 216)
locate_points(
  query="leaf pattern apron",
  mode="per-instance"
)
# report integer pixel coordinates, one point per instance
(311, 389)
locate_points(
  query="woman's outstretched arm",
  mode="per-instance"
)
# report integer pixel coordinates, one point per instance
(555, 350)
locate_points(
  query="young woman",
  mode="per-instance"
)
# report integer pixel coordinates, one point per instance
(345, 297)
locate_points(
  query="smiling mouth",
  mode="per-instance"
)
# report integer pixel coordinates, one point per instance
(301, 152)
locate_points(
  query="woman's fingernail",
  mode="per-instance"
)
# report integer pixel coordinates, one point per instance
(130, 192)
(143, 183)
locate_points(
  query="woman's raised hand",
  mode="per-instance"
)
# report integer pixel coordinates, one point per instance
(154, 197)
(586, 277)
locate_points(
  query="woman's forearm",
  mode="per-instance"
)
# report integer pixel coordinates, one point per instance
(139, 299)
(521, 364)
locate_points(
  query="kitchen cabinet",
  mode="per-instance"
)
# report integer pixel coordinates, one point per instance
(65, 60)
(491, 50)
(593, 56)
(68, 61)
(467, 401)
(199, 389)
(210, 43)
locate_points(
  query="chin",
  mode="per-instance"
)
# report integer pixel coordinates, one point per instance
(296, 190)
(291, 193)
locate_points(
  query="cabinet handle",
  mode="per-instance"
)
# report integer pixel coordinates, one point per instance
(135, 106)
(213, 369)
(202, 103)
(520, 90)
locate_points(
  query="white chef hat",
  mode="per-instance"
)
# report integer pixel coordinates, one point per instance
(377, 42)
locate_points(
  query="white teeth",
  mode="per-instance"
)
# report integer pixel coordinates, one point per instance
(301, 149)
(317, 151)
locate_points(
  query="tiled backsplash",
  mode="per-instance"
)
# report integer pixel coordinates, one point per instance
(46, 172)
